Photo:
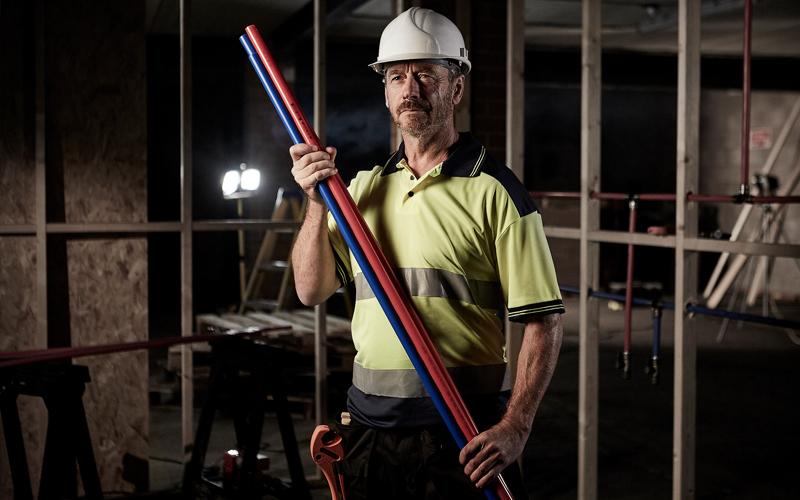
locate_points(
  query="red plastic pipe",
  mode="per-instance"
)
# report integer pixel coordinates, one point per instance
(744, 188)
(374, 255)
(774, 199)
(378, 262)
(575, 195)
(570, 195)
(656, 197)
(697, 198)
(724, 198)
(63, 353)
(388, 280)
(609, 196)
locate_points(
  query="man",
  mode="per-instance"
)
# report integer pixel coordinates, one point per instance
(467, 241)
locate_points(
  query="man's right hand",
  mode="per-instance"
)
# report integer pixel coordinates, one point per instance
(310, 166)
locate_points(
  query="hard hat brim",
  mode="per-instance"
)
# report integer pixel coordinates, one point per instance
(380, 65)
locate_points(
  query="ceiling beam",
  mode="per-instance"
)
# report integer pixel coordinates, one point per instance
(301, 23)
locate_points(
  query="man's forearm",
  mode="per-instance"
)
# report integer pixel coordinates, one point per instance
(537, 360)
(312, 258)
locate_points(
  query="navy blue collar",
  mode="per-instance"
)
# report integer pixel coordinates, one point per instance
(464, 158)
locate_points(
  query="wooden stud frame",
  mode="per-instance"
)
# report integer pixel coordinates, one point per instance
(41, 183)
(515, 138)
(590, 221)
(684, 396)
(320, 349)
(187, 325)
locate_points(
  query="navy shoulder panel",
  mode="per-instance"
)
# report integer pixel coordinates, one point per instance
(515, 189)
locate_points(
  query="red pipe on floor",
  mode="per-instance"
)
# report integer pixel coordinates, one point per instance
(744, 188)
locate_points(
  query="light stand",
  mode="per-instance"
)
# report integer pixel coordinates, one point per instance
(238, 184)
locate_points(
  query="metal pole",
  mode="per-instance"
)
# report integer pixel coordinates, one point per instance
(684, 407)
(590, 221)
(187, 323)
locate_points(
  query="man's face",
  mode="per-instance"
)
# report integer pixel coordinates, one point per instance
(421, 96)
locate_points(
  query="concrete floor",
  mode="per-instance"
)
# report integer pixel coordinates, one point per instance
(747, 418)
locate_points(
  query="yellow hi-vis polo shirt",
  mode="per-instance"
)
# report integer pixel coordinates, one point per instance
(467, 242)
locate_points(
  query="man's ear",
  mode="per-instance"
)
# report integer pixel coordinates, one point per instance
(458, 93)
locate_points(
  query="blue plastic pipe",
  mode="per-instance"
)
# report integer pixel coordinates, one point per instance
(656, 353)
(358, 254)
(694, 308)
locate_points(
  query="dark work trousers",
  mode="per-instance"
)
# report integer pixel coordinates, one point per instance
(409, 463)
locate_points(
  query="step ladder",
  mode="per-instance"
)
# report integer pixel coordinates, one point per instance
(273, 260)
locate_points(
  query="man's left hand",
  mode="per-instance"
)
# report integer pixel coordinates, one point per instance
(492, 451)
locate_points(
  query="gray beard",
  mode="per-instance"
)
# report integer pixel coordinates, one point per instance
(426, 125)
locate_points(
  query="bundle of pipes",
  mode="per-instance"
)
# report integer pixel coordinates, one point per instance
(396, 305)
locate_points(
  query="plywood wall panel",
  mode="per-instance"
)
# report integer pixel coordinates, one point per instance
(108, 304)
(17, 332)
(96, 97)
(16, 155)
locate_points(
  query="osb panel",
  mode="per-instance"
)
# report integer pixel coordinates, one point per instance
(17, 293)
(17, 332)
(16, 166)
(99, 108)
(108, 304)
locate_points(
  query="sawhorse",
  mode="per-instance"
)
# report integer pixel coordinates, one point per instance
(243, 373)
(67, 442)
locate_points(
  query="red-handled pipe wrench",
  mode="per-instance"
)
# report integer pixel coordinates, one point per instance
(327, 451)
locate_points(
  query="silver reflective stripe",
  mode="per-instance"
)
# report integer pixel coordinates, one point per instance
(486, 379)
(428, 282)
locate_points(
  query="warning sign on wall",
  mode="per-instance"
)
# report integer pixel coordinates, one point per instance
(760, 138)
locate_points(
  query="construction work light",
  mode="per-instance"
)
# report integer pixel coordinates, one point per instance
(240, 183)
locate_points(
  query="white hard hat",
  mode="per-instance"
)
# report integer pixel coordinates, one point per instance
(421, 34)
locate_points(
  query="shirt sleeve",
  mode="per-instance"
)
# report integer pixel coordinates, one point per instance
(341, 254)
(526, 271)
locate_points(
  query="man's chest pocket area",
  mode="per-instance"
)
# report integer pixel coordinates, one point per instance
(453, 243)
